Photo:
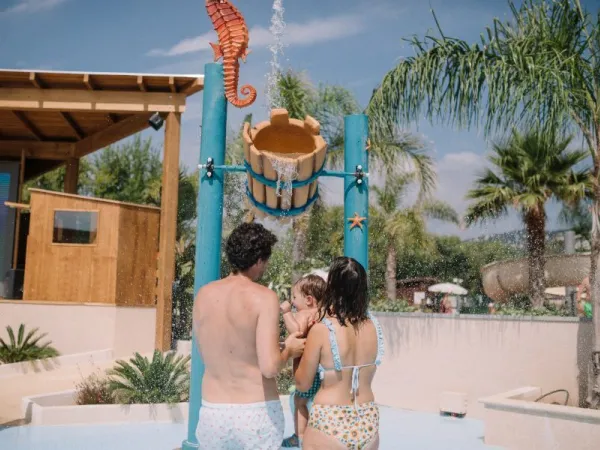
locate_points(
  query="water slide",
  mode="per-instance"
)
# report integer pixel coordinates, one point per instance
(505, 278)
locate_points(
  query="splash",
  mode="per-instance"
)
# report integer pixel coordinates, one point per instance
(277, 28)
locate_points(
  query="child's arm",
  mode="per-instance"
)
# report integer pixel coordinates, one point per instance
(291, 324)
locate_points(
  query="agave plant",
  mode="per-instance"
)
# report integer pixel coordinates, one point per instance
(165, 379)
(25, 347)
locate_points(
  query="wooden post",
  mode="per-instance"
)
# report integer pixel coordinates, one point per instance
(18, 212)
(168, 229)
(71, 176)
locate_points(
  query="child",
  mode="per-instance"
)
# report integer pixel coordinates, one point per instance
(306, 295)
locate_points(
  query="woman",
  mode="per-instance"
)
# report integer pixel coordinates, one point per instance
(344, 347)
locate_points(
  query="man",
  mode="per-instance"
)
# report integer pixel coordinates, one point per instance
(236, 324)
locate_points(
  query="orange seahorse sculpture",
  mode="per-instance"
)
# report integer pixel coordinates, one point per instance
(233, 44)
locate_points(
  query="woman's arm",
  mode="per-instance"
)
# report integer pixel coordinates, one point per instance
(305, 375)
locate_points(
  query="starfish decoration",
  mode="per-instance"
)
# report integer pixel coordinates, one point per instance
(356, 221)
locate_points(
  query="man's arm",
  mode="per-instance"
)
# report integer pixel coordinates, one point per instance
(270, 359)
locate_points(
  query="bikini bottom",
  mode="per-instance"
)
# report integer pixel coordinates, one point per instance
(355, 427)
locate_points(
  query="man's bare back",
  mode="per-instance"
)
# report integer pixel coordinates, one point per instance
(236, 326)
(225, 317)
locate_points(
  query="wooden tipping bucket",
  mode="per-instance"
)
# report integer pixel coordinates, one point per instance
(283, 150)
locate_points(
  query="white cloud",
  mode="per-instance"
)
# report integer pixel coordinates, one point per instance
(32, 6)
(308, 33)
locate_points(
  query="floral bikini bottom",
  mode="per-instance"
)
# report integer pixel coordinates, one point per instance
(355, 427)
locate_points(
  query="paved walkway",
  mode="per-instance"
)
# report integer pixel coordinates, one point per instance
(399, 430)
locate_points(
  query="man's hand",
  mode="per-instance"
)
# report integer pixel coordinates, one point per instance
(295, 345)
(285, 307)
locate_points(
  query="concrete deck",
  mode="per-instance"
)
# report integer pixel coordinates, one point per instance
(13, 389)
(399, 430)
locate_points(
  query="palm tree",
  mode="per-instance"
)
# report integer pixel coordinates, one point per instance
(538, 69)
(405, 227)
(528, 170)
(394, 151)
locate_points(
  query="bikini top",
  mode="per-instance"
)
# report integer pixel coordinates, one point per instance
(337, 360)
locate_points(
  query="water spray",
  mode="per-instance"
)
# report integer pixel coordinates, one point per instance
(276, 47)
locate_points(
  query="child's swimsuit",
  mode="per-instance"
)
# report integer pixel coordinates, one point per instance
(354, 426)
(310, 394)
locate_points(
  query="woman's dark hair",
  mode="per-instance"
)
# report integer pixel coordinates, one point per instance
(346, 297)
(248, 244)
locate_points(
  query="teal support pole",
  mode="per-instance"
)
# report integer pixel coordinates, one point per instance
(356, 193)
(210, 219)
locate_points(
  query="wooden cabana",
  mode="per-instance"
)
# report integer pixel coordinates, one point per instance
(49, 119)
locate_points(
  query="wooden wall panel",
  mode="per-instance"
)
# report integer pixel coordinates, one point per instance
(138, 247)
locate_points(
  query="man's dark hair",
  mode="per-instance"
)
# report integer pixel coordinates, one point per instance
(347, 294)
(248, 244)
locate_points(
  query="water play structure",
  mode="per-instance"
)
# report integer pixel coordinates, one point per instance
(283, 160)
(503, 279)
(267, 146)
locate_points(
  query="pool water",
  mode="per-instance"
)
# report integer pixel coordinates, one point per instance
(399, 429)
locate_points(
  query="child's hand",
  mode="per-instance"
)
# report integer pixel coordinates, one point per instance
(285, 307)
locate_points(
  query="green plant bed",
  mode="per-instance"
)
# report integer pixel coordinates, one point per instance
(164, 379)
(25, 346)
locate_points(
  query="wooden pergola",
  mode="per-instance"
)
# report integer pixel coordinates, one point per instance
(49, 119)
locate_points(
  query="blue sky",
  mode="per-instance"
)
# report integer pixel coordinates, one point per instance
(354, 46)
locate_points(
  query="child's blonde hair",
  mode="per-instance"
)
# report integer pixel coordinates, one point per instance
(312, 285)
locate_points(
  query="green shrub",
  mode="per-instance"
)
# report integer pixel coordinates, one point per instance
(165, 379)
(285, 381)
(383, 305)
(547, 310)
(94, 390)
(25, 347)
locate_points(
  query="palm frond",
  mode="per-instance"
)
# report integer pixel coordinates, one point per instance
(439, 210)
(163, 379)
(25, 346)
(535, 69)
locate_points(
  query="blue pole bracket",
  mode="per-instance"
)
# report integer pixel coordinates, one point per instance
(210, 168)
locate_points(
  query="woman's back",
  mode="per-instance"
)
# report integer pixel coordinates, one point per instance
(357, 346)
(344, 349)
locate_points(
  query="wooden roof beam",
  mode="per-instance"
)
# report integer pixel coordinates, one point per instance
(90, 101)
(172, 85)
(33, 77)
(194, 84)
(87, 80)
(37, 149)
(141, 84)
(21, 117)
(73, 125)
(112, 134)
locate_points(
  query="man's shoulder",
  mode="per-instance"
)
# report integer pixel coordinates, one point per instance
(261, 294)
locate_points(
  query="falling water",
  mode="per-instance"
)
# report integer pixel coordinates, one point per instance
(277, 28)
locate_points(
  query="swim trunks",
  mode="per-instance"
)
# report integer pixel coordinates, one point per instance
(245, 426)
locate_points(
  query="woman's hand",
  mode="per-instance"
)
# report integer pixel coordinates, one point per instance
(295, 345)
